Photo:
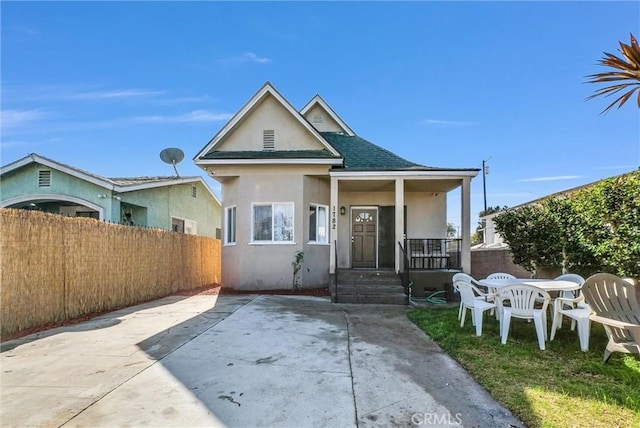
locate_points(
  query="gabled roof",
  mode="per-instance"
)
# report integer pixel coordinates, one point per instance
(120, 185)
(280, 154)
(317, 100)
(362, 155)
(266, 90)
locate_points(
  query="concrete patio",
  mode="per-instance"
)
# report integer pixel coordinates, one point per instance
(241, 361)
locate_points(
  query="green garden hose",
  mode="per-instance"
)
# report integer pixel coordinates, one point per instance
(431, 298)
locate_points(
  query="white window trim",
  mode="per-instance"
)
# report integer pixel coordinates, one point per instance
(186, 222)
(326, 208)
(235, 225)
(293, 227)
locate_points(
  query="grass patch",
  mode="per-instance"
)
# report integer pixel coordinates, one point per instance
(559, 387)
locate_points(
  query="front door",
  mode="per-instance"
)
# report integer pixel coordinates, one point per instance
(364, 238)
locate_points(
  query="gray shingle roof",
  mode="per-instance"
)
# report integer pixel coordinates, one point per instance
(273, 154)
(130, 181)
(360, 154)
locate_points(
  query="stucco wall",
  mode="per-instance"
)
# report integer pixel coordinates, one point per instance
(289, 134)
(327, 125)
(177, 201)
(261, 266)
(24, 181)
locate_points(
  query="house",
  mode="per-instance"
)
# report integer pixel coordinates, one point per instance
(303, 180)
(182, 204)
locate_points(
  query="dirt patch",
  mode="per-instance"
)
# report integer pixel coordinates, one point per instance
(203, 291)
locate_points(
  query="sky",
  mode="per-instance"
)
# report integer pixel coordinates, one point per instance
(105, 86)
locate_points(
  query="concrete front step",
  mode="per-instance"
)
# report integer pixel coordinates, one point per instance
(370, 286)
(373, 294)
(380, 299)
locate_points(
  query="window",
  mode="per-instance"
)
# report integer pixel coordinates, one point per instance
(190, 227)
(272, 222)
(177, 225)
(181, 225)
(318, 223)
(230, 225)
(44, 178)
(194, 191)
(268, 139)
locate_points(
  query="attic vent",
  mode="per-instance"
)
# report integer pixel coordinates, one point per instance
(268, 139)
(318, 118)
(194, 191)
(44, 178)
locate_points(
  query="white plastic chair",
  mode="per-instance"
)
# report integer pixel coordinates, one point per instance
(501, 275)
(574, 307)
(465, 277)
(471, 297)
(498, 275)
(522, 304)
(614, 304)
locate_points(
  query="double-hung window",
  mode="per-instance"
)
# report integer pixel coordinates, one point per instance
(318, 223)
(230, 225)
(272, 222)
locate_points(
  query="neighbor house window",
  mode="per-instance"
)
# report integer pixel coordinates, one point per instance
(318, 223)
(272, 222)
(44, 178)
(177, 225)
(182, 225)
(230, 226)
(190, 227)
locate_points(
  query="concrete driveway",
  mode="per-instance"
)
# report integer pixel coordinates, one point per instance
(241, 361)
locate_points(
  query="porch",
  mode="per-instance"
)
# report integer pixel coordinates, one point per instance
(428, 265)
(371, 212)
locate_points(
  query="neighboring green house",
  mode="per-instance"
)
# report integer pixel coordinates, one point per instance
(181, 204)
(302, 180)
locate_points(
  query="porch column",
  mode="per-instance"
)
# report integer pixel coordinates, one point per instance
(465, 215)
(333, 228)
(399, 235)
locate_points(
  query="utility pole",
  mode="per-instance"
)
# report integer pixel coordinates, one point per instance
(485, 171)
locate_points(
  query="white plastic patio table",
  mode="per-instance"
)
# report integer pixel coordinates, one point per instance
(544, 284)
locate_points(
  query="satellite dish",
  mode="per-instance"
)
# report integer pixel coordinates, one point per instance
(172, 156)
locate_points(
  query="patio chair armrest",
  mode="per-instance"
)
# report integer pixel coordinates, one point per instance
(568, 300)
(614, 323)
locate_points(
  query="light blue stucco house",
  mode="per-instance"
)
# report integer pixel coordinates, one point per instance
(181, 204)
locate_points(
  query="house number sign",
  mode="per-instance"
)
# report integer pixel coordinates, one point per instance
(334, 221)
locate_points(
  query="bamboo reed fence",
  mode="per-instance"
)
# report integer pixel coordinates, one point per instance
(55, 268)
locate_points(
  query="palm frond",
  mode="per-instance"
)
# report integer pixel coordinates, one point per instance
(627, 70)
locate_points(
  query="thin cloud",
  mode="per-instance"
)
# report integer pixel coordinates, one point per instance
(183, 100)
(552, 178)
(191, 117)
(113, 94)
(451, 123)
(245, 58)
(19, 118)
(251, 57)
(66, 92)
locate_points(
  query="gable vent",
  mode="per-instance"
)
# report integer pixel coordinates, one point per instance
(268, 139)
(44, 178)
(318, 118)
(194, 191)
